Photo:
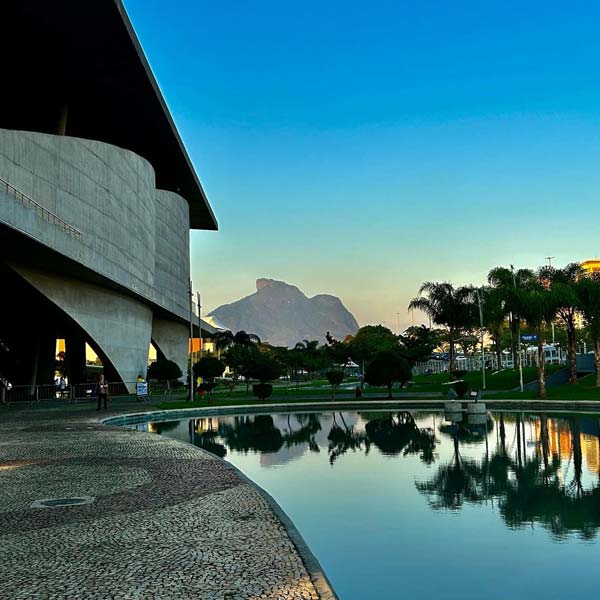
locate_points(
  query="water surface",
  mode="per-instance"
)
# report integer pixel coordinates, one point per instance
(410, 504)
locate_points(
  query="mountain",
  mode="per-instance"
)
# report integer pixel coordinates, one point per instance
(282, 315)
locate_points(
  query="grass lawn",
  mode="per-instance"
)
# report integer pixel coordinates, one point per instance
(584, 390)
(501, 380)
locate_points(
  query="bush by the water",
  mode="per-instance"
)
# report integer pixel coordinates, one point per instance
(262, 390)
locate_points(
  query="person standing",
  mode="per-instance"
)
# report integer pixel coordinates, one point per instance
(102, 391)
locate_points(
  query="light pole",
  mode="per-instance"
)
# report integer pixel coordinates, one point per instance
(191, 360)
(481, 329)
(519, 332)
(549, 259)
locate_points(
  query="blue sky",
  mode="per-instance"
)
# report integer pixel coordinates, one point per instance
(359, 148)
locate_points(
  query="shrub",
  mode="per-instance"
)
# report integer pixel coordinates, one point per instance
(262, 390)
(461, 388)
(335, 378)
(164, 370)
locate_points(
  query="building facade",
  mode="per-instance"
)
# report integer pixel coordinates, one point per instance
(97, 197)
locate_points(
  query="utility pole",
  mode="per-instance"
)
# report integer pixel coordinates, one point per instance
(481, 329)
(199, 326)
(398, 318)
(190, 358)
(519, 332)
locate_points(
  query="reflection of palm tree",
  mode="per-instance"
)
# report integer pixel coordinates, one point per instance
(310, 425)
(454, 483)
(342, 439)
(528, 488)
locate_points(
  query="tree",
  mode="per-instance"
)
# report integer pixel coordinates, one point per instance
(418, 342)
(335, 378)
(164, 370)
(209, 368)
(494, 317)
(264, 368)
(588, 294)
(387, 368)
(222, 340)
(311, 357)
(506, 280)
(370, 340)
(563, 283)
(448, 307)
(536, 305)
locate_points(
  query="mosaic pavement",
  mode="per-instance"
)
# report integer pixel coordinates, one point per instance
(166, 520)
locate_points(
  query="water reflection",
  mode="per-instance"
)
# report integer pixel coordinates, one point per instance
(532, 469)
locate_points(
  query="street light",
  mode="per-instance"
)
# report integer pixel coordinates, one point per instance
(481, 329)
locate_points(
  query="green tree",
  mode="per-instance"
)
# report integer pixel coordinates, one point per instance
(418, 342)
(164, 370)
(588, 293)
(387, 368)
(563, 283)
(335, 378)
(370, 340)
(447, 306)
(209, 368)
(537, 306)
(264, 368)
(506, 280)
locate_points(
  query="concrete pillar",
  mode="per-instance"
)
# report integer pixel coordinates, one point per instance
(171, 339)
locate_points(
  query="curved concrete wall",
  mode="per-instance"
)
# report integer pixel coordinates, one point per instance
(172, 270)
(133, 234)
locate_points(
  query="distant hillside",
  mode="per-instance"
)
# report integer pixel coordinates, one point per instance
(282, 315)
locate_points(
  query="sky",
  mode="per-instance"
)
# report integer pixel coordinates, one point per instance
(361, 148)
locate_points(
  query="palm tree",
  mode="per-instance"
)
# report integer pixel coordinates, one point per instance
(246, 339)
(588, 294)
(222, 339)
(536, 305)
(448, 307)
(505, 280)
(563, 283)
(494, 317)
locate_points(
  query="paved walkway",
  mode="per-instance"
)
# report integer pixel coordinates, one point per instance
(166, 521)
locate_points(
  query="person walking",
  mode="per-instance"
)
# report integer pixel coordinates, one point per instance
(102, 392)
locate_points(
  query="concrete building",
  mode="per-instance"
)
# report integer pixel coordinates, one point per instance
(97, 196)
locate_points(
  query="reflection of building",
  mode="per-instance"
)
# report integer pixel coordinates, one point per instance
(97, 196)
(560, 443)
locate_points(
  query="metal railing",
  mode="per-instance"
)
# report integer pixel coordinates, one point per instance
(81, 392)
(42, 212)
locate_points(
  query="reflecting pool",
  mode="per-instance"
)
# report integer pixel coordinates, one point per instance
(422, 504)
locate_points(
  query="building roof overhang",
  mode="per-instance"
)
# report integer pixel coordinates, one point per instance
(81, 61)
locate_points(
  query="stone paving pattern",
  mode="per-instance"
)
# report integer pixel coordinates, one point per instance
(168, 520)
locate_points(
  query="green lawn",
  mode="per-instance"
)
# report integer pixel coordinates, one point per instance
(584, 390)
(502, 380)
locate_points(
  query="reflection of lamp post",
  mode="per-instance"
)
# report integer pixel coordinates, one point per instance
(481, 329)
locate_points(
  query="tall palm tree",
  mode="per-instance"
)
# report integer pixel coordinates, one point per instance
(505, 280)
(563, 283)
(537, 306)
(447, 306)
(588, 294)
(222, 339)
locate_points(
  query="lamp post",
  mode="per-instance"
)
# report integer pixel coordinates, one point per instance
(512, 268)
(190, 358)
(481, 329)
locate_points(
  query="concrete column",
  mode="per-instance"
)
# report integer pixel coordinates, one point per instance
(171, 339)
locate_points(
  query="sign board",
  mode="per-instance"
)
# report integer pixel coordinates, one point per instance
(529, 338)
(142, 388)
